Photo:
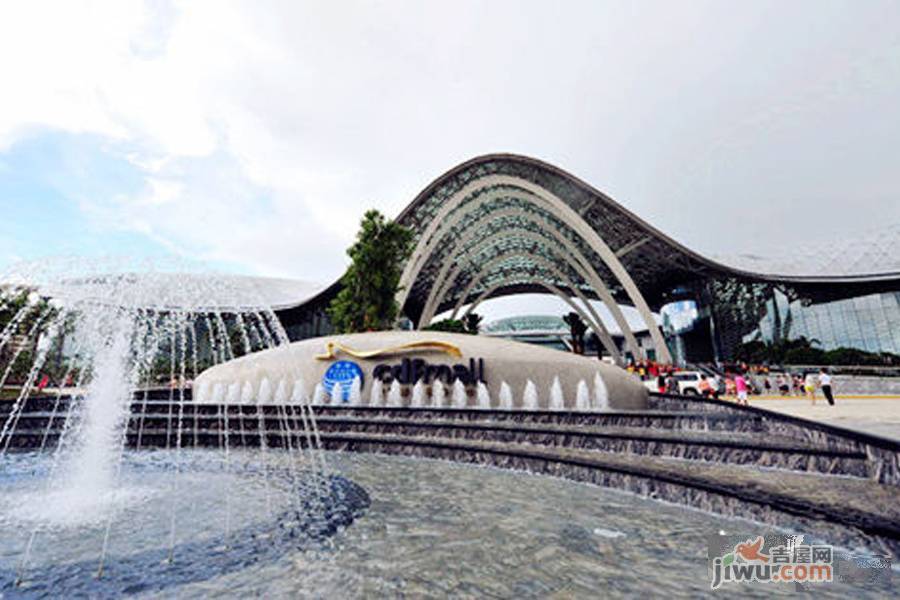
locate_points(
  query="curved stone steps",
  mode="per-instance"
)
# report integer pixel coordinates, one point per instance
(689, 445)
(657, 420)
(849, 511)
(611, 431)
(727, 459)
(598, 426)
(160, 430)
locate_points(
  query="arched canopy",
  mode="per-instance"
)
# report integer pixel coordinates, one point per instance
(447, 232)
(550, 274)
(606, 252)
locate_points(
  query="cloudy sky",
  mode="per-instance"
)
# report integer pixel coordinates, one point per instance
(253, 135)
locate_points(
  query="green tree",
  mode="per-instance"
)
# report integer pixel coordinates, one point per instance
(35, 320)
(366, 300)
(756, 352)
(11, 302)
(472, 323)
(448, 325)
(804, 356)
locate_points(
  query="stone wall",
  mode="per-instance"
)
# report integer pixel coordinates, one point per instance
(857, 384)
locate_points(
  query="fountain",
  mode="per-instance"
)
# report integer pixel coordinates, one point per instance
(232, 490)
(483, 396)
(557, 401)
(337, 394)
(506, 396)
(265, 392)
(418, 394)
(318, 394)
(113, 340)
(438, 394)
(460, 398)
(601, 394)
(530, 396)
(376, 396)
(582, 396)
(355, 394)
(394, 397)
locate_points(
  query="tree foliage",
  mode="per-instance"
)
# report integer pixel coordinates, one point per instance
(802, 351)
(471, 324)
(366, 300)
(449, 325)
(31, 325)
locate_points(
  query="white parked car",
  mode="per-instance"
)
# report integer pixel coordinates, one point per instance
(688, 383)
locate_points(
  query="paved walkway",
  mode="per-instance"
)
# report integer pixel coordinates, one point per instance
(878, 415)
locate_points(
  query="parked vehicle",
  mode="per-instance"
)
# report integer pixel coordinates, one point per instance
(688, 383)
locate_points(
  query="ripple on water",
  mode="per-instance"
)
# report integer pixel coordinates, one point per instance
(433, 529)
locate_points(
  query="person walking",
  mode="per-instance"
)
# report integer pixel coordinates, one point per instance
(783, 385)
(825, 384)
(729, 386)
(809, 384)
(671, 382)
(740, 385)
(714, 387)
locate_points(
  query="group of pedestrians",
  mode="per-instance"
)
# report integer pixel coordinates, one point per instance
(805, 384)
(739, 381)
(648, 369)
(736, 384)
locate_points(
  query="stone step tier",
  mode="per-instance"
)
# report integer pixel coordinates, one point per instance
(160, 430)
(710, 455)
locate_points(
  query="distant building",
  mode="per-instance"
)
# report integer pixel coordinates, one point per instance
(552, 331)
(504, 224)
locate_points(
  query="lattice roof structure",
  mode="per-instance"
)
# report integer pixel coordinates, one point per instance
(527, 324)
(655, 262)
(505, 224)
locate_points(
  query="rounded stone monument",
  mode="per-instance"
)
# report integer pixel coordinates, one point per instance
(345, 369)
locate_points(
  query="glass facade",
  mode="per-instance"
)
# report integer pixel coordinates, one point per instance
(870, 323)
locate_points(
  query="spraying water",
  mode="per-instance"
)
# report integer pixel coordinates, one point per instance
(418, 394)
(601, 394)
(582, 396)
(484, 396)
(376, 394)
(506, 396)
(530, 396)
(97, 339)
(438, 394)
(460, 398)
(557, 401)
(355, 398)
(318, 395)
(395, 397)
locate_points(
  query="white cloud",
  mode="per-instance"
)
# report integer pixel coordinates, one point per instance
(264, 130)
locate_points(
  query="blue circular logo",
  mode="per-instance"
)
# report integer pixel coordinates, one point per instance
(342, 373)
